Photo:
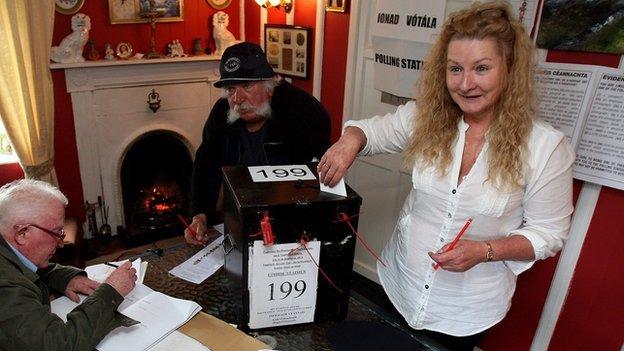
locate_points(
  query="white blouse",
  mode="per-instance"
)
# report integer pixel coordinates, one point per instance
(465, 303)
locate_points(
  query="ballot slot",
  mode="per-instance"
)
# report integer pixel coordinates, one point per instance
(295, 213)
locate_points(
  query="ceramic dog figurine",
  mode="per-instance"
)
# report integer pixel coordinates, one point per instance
(222, 36)
(70, 49)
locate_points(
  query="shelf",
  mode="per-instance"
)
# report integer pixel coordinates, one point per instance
(105, 63)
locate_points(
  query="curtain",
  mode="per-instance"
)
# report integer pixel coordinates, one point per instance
(26, 95)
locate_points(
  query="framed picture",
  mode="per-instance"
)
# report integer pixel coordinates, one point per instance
(288, 49)
(68, 7)
(131, 11)
(219, 4)
(336, 5)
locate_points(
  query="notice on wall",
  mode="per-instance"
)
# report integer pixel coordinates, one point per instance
(587, 104)
(283, 280)
(403, 32)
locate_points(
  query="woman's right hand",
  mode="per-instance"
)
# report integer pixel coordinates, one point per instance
(197, 234)
(340, 156)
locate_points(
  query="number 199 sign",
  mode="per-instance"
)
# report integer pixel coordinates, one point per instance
(280, 173)
(282, 284)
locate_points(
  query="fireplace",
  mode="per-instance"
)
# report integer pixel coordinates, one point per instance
(114, 121)
(155, 185)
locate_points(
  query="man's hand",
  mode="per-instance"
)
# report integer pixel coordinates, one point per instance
(339, 157)
(465, 255)
(80, 284)
(123, 278)
(200, 229)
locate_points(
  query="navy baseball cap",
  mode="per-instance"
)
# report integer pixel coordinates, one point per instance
(243, 62)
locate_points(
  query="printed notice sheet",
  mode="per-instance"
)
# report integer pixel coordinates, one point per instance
(586, 103)
(203, 264)
(282, 287)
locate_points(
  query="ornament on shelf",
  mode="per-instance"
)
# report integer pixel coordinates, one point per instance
(93, 54)
(175, 49)
(197, 47)
(109, 52)
(70, 49)
(222, 36)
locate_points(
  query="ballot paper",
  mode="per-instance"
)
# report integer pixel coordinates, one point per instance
(338, 189)
(203, 264)
(100, 272)
(283, 279)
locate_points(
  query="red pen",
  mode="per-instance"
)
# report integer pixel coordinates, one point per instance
(454, 242)
(187, 226)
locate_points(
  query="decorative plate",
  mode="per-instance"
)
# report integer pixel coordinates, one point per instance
(123, 50)
(68, 7)
(219, 4)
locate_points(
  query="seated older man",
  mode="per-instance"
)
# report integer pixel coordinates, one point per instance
(32, 214)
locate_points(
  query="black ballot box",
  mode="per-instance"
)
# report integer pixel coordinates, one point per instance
(295, 210)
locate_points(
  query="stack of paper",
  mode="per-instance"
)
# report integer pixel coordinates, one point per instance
(158, 314)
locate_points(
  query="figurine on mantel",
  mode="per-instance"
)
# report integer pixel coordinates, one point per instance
(222, 36)
(109, 53)
(92, 54)
(70, 49)
(175, 49)
(197, 47)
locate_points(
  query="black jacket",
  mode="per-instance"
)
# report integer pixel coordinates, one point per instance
(298, 131)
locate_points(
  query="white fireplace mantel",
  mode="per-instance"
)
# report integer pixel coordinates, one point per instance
(109, 102)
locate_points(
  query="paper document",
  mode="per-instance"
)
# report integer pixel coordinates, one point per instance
(283, 284)
(178, 341)
(203, 264)
(99, 272)
(338, 189)
(159, 315)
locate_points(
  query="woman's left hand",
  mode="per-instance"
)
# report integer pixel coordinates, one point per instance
(465, 255)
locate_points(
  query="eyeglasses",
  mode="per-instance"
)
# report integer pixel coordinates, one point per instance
(59, 235)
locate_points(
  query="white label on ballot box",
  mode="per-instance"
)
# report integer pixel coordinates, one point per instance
(282, 287)
(280, 173)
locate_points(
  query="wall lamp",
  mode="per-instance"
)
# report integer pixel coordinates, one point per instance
(287, 4)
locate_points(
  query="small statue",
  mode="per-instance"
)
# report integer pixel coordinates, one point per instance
(222, 36)
(109, 53)
(70, 49)
(175, 49)
(197, 47)
(93, 54)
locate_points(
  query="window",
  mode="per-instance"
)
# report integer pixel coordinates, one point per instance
(7, 155)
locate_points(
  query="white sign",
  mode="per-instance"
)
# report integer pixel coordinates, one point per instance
(413, 20)
(282, 284)
(398, 64)
(586, 103)
(280, 173)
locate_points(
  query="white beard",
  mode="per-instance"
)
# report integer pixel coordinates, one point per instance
(264, 110)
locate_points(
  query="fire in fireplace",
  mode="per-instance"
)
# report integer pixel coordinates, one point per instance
(155, 183)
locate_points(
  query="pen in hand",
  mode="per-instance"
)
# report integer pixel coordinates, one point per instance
(454, 242)
(187, 226)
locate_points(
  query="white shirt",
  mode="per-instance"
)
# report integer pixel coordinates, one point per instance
(469, 302)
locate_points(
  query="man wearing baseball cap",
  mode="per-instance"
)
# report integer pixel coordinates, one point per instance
(260, 120)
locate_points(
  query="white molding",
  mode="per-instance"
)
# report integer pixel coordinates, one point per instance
(560, 285)
(290, 17)
(352, 48)
(241, 17)
(319, 37)
(264, 16)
